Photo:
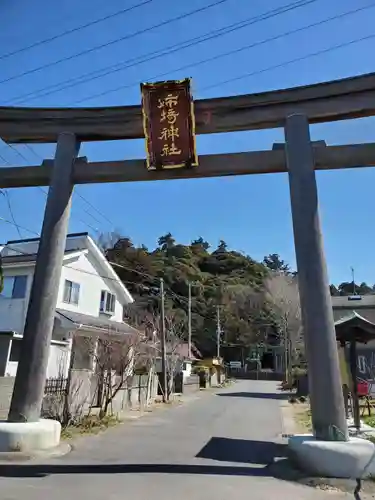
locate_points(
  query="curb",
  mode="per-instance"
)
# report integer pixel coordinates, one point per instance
(20, 456)
(288, 425)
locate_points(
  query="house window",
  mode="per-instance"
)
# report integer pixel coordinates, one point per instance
(15, 350)
(107, 302)
(362, 364)
(71, 292)
(14, 287)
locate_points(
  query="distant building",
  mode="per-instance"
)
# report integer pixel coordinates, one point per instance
(364, 305)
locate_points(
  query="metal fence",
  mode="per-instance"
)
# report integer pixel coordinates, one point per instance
(256, 375)
(57, 385)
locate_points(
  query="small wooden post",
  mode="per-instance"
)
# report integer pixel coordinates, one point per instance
(353, 371)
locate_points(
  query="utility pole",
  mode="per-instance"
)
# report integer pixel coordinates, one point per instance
(189, 322)
(31, 373)
(286, 360)
(354, 290)
(163, 346)
(218, 331)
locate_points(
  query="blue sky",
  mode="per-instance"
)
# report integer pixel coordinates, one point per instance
(252, 213)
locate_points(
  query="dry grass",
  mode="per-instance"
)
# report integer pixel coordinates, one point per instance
(302, 417)
(89, 425)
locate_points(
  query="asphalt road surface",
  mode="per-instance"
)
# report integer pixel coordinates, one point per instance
(213, 446)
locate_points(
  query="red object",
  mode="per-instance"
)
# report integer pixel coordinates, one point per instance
(362, 388)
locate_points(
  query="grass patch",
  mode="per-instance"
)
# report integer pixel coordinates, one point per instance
(89, 425)
(303, 416)
(369, 420)
(228, 382)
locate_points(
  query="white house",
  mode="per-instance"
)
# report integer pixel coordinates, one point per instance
(90, 303)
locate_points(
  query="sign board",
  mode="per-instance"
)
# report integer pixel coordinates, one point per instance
(235, 364)
(169, 125)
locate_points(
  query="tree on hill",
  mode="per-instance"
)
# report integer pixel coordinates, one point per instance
(349, 288)
(165, 242)
(222, 247)
(222, 277)
(200, 243)
(275, 263)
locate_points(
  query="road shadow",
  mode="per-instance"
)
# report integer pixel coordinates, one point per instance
(242, 450)
(255, 395)
(260, 453)
(259, 459)
(40, 471)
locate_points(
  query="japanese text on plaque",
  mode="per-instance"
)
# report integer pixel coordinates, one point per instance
(168, 118)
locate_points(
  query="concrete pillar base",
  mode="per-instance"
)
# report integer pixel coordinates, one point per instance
(28, 437)
(342, 459)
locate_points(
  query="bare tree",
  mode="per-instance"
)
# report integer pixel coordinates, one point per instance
(175, 332)
(115, 357)
(67, 406)
(242, 305)
(282, 294)
(174, 338)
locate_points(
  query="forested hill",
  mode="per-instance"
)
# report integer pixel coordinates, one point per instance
(252, 301)
(218, 277)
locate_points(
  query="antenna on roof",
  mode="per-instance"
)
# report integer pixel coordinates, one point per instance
(354, 291)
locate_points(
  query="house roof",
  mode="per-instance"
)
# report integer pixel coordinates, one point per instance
(366, 313)
(21, 252)
(99, 324)
(353, 326)
(28, 257)
(183, 351)
(362, 304)
(109, 271)
(28, 240)
(353, 301)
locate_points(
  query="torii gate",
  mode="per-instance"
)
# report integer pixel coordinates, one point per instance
(292, 109)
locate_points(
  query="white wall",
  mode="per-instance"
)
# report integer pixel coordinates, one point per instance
(58, 361)
(187, 369)
(86, 272)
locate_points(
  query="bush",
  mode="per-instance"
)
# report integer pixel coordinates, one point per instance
(298, 372)
(370, 421)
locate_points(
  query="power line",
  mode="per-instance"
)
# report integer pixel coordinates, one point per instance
(75, 191)
(112, 42)
(167, 289)
(45, 192)
(37, 155)
(22, 252)
(94, 208)
(17, 225)
(4, 160)
(73, 30)
(7, 198)
(231, 52)
(5, 193)
(96, 74)
(292, 61)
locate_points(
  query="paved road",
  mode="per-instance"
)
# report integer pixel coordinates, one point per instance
(214, 446)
